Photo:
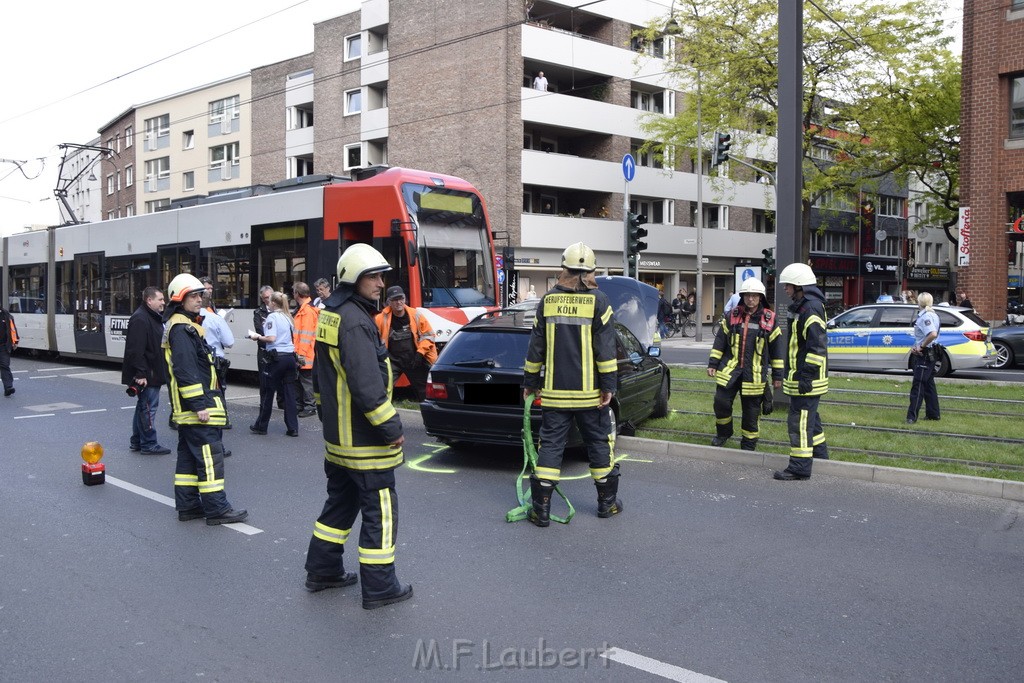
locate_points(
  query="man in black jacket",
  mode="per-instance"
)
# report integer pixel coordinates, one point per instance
(8, 343)
(144, 371)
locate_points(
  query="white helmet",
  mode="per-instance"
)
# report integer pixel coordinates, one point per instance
(358, 260)
(752, 286)
(579, 257)
(798, 275)
(182, 285)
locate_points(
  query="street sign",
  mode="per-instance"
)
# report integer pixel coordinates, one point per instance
(628, 167)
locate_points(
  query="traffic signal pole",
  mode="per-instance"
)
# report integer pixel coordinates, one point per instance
(699, 285)
(788, 212)
(625, 231)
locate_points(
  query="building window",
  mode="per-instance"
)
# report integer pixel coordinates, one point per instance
(222, 154)
(117, 182)
(129, 176)
(158, 130)
(300, 116)
(110, 215)
(188, 139)
(188, 181)
(1017, 108)
(157, 169)
(890, 206)
(110, 184)
(353, 47)
(157, 204)
(832, 242)
(225, 108)
(353, 102)
(117, 144)
(353, 156)
(129, 137)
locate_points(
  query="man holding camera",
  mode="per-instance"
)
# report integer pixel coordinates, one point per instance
(144, 371)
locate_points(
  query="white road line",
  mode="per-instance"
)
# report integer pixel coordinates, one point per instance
(29, 417)
(127, 407)
(96, 410)
(87, 374)
(669, 671)
(53, 369)
(45, 377)
(241, 398)
(146, 493)
(19, 372)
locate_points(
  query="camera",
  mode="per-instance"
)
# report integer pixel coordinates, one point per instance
(132, 390)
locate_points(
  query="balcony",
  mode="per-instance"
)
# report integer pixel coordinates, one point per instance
(373, 124)
(573, 51)
(580, 114)
(374, 68)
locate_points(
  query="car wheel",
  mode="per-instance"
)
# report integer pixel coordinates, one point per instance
(1004, 355)
(661, 400)
(942, 367)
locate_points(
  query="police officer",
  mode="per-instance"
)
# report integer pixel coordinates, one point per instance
(573, 339)
(926, 331)
(750, 343)
(197, 409)
(363, 438)
(806, 370)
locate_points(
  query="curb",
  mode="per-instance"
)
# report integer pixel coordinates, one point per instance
(879, 474)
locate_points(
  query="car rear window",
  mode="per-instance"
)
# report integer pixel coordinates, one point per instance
(970, 315)
(507, 349)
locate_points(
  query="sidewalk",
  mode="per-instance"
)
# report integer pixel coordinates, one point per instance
(678, 341)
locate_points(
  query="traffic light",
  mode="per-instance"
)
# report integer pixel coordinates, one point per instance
(723, 141)
(769, 261)
(635, 234)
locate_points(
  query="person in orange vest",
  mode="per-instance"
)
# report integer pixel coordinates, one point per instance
(304, 337)
(8, 343)
(409, 338)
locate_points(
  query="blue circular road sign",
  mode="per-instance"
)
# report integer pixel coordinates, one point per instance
(628, 167)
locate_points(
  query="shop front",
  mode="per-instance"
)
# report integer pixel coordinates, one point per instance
(931, 279)
(837, 276)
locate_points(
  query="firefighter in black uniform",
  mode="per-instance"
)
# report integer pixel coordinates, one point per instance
(806, 372)
(573, 340)
(352, 382)
(196, 408)
(749, 347)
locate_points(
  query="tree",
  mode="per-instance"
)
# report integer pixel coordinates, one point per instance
(855, 52)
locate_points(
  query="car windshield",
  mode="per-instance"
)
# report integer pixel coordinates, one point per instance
(504, 348)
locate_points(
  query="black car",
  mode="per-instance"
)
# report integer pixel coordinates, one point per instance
(1009, 343)
(474, 390)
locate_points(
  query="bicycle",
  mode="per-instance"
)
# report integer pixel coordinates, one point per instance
(681, 322)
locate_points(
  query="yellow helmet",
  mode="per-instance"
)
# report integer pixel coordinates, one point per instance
(798, 275)
(182, 285)
(579, 257)
(358, 260)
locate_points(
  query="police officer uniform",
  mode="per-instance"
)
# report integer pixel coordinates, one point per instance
(352, 382)
(751, 346)
(923, 387)
(199, 472)
(573, 340)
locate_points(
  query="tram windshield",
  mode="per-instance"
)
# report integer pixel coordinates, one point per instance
(454, 254)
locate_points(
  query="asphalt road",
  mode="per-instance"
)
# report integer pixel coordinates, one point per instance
(712, 570)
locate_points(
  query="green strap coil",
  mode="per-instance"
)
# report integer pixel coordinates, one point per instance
(522, 486)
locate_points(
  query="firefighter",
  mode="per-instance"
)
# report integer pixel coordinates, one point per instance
(573, 340)
(196, 408)
(352, 382)
(749, 347)
(806, 370)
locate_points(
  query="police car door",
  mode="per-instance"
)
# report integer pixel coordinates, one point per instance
(848, 336)
(892, 337)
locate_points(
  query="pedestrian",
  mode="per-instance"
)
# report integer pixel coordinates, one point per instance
(539, 82)
(144, 370)
(305, 318)
(926, 331)
(573, 342)
(805, 375)
(734, 300)
(362, 436)
(198, 409)
(8, 343)
(409, 339)
(963, 299)
(281, 366)
(323, 290)
(259, 316)
(749, 348)
(219, 337)
(664, 314)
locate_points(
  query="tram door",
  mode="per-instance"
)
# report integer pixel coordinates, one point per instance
(89, 314)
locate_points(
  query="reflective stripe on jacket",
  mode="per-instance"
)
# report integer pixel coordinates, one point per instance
(422, 332)
(193, 379)
(573, 340)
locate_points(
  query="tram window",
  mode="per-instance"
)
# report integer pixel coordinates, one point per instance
(129, 275)
(280, 256)
(64, 281)
(229, 268)
(28, 289)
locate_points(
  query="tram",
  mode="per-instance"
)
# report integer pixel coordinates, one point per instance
(73, 288)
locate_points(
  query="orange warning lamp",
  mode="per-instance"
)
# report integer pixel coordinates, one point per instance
(93, 471)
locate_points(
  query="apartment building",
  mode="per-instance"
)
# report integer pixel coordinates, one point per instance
(80, 182)
(449, 87)
(189, 144)
(990, 260)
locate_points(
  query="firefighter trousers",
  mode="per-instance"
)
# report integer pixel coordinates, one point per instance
(350, 492)
(806, 435)
(595, 426)
(751, 412)
(199, 472)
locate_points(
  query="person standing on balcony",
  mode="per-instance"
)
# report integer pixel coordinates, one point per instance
(540, 83)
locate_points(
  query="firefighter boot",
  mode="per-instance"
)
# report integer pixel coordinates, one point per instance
(541, 491)
(607, 503)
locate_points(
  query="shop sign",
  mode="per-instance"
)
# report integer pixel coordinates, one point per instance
(833, 264)
(929, 273)
(876, 267)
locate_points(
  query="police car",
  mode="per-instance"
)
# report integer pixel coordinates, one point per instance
(879, 337)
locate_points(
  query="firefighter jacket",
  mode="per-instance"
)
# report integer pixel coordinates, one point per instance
(747, 345)
(8, 330)
(192, 376)
(304, 336)
(352, 385)
(806, 371)
(422, 332)
(573, 340)
(143, 357)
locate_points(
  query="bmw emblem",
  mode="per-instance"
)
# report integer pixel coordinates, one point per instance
(487, 378)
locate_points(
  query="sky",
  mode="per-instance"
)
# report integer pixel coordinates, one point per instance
(70, 68)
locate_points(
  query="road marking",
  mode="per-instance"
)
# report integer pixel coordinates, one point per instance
(146, 493)
(29, 417)
(127, 407)
(242, 398)
(95, 410)
(653, 666)
(51, 369)
(45, 377)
